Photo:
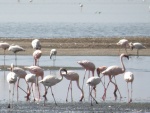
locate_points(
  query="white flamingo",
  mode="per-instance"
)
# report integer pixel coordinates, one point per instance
(93, 82)
(36, 44)
(50, 81)
(30, 78)
(53, 52)
(129, 77)
(11, 79)
(21, 73)
(4, 46)
(137, 46)
(15, 49)
(123, 43)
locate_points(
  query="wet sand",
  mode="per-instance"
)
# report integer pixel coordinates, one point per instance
(101, 46)
(80, 107)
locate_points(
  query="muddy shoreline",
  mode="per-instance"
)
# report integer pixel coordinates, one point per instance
(79, 107)
(101, 46)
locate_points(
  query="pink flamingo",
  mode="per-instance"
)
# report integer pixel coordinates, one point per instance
(124, 43)
(38, 71)
(112, 71)
(88, 66)
(36, 55)
(50, 81)
(129, 77)
(100, 70)
(4, 46)
(73, 76)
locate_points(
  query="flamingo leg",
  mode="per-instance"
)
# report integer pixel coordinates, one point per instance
(92, 98)
(38, 88)
(131, 93)
(137, 53)
(71, 92)
(16, 58)
(28, 92)
(46, 89)
(68, 91)
(105, 90)
(17, 89)
(53, 96)
(33, 93)
(117, 87)
(126, 50)
(128, 91)
(9, 96)
(84, 78)
(13, 93)
(89, 86)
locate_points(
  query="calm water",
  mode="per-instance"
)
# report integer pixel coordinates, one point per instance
(65, 18)
(72, 30)
(139, 66)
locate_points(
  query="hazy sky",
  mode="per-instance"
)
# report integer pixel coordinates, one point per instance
(70, 11)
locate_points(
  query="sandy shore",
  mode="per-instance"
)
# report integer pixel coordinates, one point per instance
(79, 46)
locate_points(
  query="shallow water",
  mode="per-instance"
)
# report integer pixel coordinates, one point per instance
(139, 66)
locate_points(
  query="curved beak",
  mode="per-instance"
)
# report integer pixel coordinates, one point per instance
(127, 56)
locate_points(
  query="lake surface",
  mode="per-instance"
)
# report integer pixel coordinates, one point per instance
(65, 18)
(139, 66)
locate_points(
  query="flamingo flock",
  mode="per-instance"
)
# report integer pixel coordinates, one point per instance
(17, 73)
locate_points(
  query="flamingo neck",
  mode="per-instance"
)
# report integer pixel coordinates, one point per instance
(82, 93)
(123, 67)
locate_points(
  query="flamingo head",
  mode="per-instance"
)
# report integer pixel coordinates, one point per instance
(131, 45)
(124, 55)
(62, 69)
(98, 71)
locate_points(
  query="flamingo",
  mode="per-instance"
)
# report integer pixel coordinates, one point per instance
(100, 70)
(30, 78)
(15, 49)
(88, 66)
(73, 76)
(50, 81)
(124, 43)
(36, 44)
(21, 73)
(38, 71)
(93, 82)
(81, 6)
(112, 71)
(137, 46)
(53, 52)
(129, 77)
(11, 79)
(37, 54)
(4, 46)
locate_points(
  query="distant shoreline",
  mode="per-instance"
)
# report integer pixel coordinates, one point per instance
(79, 46)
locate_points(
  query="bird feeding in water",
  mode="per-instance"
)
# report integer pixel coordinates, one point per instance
(53, 54)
